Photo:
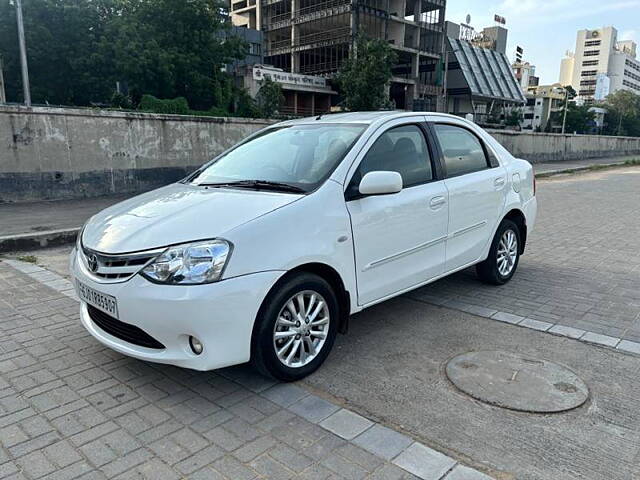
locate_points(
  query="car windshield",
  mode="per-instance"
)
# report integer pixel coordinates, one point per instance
(296, 158)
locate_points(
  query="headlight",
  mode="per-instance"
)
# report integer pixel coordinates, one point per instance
(190, 264)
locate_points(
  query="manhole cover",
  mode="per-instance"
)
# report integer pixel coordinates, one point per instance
(516, 382)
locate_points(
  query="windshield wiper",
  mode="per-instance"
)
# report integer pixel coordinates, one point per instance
(258, 185)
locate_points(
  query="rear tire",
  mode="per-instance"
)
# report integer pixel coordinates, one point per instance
(504, 255)
(295, 328)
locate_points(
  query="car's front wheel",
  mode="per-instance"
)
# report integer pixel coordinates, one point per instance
(504, 256)
(295, 328)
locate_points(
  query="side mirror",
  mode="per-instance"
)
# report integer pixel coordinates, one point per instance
(380, 183)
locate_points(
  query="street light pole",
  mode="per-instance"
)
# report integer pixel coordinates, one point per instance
(3, 95)
(566, 107)
(23, 55)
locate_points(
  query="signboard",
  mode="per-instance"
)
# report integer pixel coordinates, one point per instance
(468, 33)
(500, 20)
(287, 78)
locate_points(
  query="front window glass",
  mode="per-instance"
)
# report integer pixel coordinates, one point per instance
(300, 155)
(402, 149)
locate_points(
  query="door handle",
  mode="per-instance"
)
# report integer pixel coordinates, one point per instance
(499, 182)
(437, 202)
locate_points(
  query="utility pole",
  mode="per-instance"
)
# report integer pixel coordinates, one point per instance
(23, 55)
(3, 93)
(566, 107)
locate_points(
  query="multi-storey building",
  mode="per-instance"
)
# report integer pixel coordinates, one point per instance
(314, 37)
(601, 65)
(525, 74)
(542, 102)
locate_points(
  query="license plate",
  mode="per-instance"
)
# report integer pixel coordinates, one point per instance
(101, 301)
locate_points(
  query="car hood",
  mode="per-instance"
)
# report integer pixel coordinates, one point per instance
(177, 213)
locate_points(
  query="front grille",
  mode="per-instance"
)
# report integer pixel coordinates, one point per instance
(121, 330)
(116, 268)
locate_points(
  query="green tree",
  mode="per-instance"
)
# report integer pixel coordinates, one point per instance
(623, 114)
(62, 46)
(579, 118)
(171, 49)
(269, 98)
(79, 49)
(513, 117)
(364, 77)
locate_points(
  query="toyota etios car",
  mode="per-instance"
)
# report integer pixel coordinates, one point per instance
(263, 253)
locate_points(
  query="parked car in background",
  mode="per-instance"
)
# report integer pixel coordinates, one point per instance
(263, 253)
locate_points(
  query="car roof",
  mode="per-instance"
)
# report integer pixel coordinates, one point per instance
(366, 118)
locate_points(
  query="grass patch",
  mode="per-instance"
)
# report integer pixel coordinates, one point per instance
(28, 258)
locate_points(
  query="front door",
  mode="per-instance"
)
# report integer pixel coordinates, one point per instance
(399, 239)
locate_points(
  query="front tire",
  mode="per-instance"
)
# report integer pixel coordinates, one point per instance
(504, 255)
(295, 328)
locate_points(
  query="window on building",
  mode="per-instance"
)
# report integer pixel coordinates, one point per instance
(630, 74)
(592, 53)
(590, 63)
(463, 152)
(528, 116)
(592, 43)
(255, 49)
(589, 73)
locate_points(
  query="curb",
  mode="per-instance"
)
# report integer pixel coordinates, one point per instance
(592, 338)
(594, 167)
(34, 241)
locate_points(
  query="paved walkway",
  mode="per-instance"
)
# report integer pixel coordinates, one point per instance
(38, 217)
(72, 408)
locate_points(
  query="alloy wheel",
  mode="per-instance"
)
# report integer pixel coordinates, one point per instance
(507, 253)
(301, 329)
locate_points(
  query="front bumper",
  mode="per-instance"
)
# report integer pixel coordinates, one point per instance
(221, 315)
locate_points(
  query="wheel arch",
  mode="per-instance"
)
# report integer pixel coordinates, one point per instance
(330, 275)
(517, 216)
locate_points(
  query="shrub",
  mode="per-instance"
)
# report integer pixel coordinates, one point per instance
(178, 106)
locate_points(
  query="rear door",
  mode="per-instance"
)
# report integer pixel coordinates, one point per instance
(476, 184)
(399, 239)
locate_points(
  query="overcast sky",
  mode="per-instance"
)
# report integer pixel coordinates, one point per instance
(546, 29)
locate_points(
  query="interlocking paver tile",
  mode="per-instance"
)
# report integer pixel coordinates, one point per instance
(313, 408)
(383, 441)
(461, 472)
(424, 462)
(346, 424)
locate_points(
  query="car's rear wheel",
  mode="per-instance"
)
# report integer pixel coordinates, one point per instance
(295, 328)
(504, 255)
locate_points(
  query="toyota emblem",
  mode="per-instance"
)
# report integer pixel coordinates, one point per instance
(92, 262)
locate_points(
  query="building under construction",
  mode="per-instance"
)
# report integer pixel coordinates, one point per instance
(314, 37)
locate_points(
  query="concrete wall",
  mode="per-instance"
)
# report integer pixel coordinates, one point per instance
(546, 147)
(48, 153)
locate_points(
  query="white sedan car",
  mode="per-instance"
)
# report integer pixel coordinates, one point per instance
(263, 253)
